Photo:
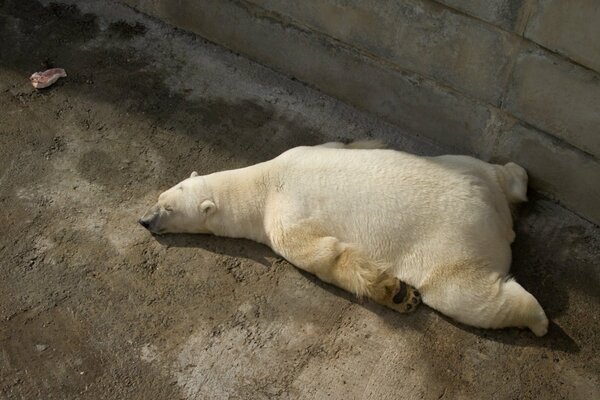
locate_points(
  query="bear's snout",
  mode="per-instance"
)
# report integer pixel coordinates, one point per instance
(148, 220)
(144, 223)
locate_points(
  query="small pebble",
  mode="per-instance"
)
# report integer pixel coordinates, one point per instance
(41, 347)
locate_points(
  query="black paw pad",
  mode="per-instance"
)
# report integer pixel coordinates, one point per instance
(401, 295)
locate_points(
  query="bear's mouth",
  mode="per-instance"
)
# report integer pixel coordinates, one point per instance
(159, 232)
(150, 225)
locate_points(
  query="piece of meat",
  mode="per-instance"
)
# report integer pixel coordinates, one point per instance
(46, 78)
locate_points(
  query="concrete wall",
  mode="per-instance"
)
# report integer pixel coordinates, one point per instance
(501, 79)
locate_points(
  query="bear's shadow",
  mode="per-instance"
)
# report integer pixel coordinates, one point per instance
(556, 339)
(224, 246)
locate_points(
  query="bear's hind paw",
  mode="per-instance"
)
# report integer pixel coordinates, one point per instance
(397, 295)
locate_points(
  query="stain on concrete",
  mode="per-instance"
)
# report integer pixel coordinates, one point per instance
(124, 30)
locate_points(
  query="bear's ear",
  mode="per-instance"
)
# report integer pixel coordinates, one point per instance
(207, 206)
(193, 174)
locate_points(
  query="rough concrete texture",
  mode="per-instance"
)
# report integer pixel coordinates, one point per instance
(510, 15)
(557, 96)
(417, 36)
(93, 307)
(571, 28)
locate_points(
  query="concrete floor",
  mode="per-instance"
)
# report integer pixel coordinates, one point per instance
(92, 306)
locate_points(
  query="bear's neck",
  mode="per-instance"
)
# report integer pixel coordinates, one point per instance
(240, 196)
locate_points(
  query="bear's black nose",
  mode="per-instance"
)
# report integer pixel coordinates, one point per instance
(144, 223)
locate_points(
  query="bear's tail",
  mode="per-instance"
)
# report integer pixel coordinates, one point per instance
(513, 181)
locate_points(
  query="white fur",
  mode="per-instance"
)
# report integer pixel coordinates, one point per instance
(441, 224)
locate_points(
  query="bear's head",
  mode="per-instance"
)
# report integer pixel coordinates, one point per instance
(183, 208)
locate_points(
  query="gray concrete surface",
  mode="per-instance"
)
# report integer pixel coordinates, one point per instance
(510, 15)
(557, 96)
(416, 35)
(444, 70)
(93, 307)
(568, 27)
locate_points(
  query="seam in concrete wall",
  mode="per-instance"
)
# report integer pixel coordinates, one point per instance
(558, 141)
(287, 22)
(526, 13)
(509, 77)
(560, 56)
(290, 22)
(521, 27)
(505, 92)
(461, 82)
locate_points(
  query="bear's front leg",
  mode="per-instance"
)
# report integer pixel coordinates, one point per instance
(343, 265)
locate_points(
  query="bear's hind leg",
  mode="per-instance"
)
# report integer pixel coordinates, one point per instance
(344, 266)
(358, 274)
(474, 296)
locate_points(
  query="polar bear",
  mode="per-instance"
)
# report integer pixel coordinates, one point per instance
(369, 220)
